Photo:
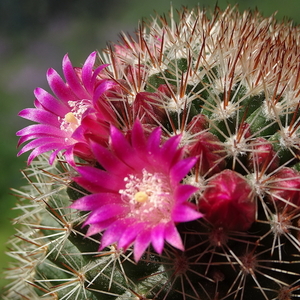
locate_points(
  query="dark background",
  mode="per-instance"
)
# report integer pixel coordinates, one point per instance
(35, 35)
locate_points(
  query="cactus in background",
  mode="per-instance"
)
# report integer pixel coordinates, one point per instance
(166, 167)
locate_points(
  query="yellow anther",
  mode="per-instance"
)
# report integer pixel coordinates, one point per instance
(141, 197)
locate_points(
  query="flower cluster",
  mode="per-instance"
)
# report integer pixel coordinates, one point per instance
(189, 122)
(133, 172)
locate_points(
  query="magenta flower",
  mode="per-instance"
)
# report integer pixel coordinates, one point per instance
(138, 198)
(60, 117)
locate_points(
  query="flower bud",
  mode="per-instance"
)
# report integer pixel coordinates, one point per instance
(228, 201)
(263, 157)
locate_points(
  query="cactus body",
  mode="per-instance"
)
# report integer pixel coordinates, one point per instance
(202, 118)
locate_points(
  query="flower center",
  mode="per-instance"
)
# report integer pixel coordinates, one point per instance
(73, 118)
(149, 194)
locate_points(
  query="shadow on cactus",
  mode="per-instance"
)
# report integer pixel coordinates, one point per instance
(166, 167)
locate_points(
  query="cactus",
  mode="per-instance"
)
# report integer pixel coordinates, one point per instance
(166, 167)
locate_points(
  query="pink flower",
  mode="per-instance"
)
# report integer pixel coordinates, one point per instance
(60, 117)
(228, 201)
(137, 197)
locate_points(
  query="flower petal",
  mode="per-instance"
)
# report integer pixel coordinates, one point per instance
(101, 178)
(173, 237)
(109, 161)
(98, 227)
(42, 149)
(158, 237)
(185, 213)
(39, 116)
(87, 70)
(105, 212)
(50, 103)
(181, 168)
(153, 146)
(73, 79)
(139, 140)
(59, 87)
(50, 143)
(114, 232)
(141, 243)
(123, 149)
(93, 201)
(43, 129)
(184, 192)
(130, 234)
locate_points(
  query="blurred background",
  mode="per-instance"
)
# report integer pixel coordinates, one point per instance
(35, 35)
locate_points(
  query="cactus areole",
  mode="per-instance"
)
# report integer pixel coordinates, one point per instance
(166, 167)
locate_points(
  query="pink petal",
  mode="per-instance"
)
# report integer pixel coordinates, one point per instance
(94, 201)
(39, 116)
(43, 129)
(87, 72)
(73, 79)
(185, 213)
(92, 124)
(172, 236)
(50, 142)
(123, 149)
(184, 192)
(99, 227)
(169, 146)
(55, 153)
(141, 243)
(68, 154)
(51, 103)
(105, 212)
(101, 88)
(97, 71)
(26, 138)
(154, 142)
(114, 232)
(130, 234)
(180, 169)
(158, 237)
(92, 187)
(138, 139)
(101, 178)
(42, 149)
(59, 87)
(109, 161)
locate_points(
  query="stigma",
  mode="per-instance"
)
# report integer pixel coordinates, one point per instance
(141, 197)
(70, 118)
